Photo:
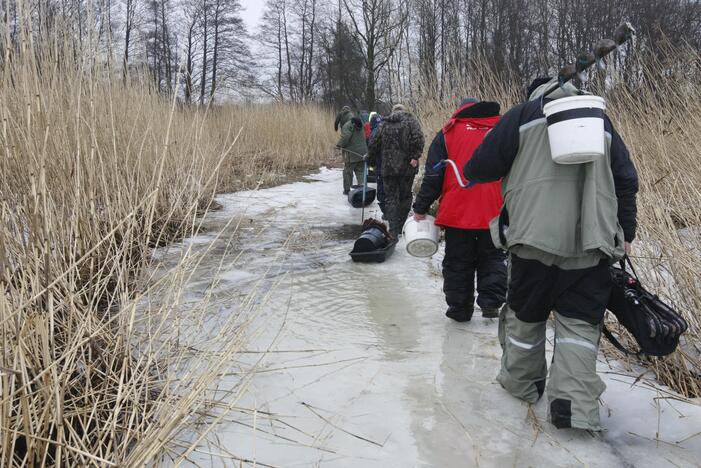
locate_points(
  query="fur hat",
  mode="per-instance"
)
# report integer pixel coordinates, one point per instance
(399, 108)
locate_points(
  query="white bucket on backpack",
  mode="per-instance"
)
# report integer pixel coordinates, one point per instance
(576, 129)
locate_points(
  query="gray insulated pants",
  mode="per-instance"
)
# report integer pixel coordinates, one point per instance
(350, 168)
(579, 298)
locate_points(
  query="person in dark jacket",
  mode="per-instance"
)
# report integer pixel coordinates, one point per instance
(355, 150)
(465, 214)
(400, 142)
(562, 225)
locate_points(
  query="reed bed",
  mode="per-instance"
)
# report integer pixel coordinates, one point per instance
(93, 176)
(278, 142)
(659, 118)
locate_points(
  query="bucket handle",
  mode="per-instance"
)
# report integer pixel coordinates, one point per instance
(464, 184)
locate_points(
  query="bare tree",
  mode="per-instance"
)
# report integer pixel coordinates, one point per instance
(231, 57)
(376, 24)
(289, 32)
(204, 19)
(129, 15)
(192, 14)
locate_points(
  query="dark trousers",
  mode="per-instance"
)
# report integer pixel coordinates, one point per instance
(468, 252)
(398, 199)
(536, 289)
(579, 299)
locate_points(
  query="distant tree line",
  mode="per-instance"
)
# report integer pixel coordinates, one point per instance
(385, 50)
(357, 52)
(199, 49)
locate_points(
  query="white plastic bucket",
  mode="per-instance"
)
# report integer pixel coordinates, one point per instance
(421, 236)
(576, 129)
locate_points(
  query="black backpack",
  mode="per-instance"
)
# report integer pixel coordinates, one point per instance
(654, 324)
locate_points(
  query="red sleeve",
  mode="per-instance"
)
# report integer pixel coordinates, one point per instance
(368, 131)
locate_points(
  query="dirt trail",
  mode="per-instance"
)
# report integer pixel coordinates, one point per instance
(365, 371)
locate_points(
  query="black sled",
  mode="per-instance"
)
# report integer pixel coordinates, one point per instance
(375, 244)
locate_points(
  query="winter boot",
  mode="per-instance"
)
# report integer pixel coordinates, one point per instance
(458, 314)
(490, 313)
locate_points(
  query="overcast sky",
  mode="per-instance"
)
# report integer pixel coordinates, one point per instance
(253, 9)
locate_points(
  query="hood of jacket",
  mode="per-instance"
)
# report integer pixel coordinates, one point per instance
(568, 89)
(345, 117)
(477, 110)
(357, 123)
(481, 114)
(398, 117)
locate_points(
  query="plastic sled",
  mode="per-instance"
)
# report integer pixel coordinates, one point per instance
(355, 196)
(374, 256)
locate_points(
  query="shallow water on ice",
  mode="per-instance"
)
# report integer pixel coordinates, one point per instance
(364, 370)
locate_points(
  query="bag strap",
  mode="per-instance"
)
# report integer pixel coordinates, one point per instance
(617, 344)
(622, 263)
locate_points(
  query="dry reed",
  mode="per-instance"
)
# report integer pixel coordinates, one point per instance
(93, 176)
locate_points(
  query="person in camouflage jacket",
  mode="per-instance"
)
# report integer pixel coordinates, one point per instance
(398, 143)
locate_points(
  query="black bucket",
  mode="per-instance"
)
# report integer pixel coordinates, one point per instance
(370, 240)
(355, 196)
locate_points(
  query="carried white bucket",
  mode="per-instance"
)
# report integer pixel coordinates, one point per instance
(576, 129)
(421, 236)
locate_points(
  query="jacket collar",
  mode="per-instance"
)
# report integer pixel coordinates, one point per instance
(473, 110)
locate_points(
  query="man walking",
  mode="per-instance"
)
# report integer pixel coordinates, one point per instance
(562, 225)
(352, 142)
(465, 214)
(399, 142)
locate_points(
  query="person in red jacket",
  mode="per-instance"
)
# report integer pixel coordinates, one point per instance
(465, 214)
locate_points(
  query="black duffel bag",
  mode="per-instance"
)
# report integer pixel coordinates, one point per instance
(654, 324)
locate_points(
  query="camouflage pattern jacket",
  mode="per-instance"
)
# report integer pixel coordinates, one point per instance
(398, 140)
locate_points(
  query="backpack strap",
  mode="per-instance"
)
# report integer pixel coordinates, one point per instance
(617, 344)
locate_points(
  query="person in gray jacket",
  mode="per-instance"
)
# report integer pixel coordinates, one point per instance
(563, 225)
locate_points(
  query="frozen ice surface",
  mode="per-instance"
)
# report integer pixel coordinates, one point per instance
(364, 370)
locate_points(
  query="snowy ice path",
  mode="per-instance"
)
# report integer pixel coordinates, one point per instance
(365, 370)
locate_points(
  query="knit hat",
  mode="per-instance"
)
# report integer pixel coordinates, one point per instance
(345, 109)
(535, 84)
